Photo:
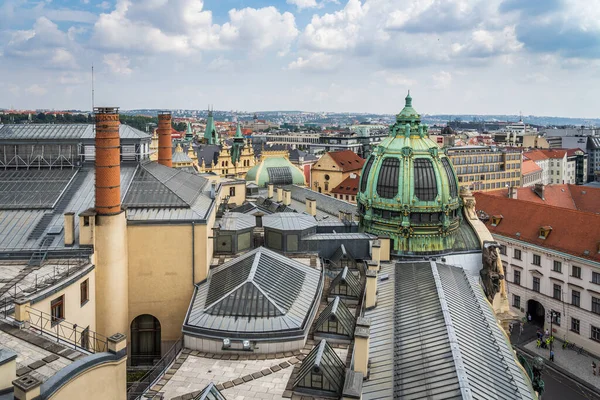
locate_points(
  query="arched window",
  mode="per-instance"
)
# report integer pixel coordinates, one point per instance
(387, 182)
(365, 174)
(424, 180)
(145, 340)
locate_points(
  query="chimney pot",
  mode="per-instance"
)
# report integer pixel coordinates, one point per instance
(108, 161)
(270, 191)
(69, 228)
(165, 150)
(279, 194)
(287, 197)
(311, 206)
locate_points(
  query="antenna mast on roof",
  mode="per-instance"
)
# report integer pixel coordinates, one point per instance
(92, 88)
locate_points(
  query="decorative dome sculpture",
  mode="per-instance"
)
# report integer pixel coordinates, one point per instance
(409, 189)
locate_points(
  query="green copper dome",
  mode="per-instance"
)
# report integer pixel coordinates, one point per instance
(277, 170)
(409, 190)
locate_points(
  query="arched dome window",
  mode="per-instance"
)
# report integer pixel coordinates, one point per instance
(387, 183)
(424, 180)
(365, 175)
(451, 179)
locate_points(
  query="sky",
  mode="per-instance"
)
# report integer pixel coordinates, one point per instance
(538, 57)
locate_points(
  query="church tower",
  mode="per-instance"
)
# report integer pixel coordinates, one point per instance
(210, 134)
(238, 145)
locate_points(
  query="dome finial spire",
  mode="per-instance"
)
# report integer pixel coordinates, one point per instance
(408, 100)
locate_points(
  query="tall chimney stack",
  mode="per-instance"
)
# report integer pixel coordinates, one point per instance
(108, 161)
(165, 149)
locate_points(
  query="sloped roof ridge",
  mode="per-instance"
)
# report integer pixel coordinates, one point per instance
(463, 379)
(164, 182)
(257, 254)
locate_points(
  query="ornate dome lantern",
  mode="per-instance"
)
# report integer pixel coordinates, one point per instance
(409, 190)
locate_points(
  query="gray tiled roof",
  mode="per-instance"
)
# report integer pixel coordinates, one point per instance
(286, 293)
(442, 328)
(327, 204)
(289, 221)
(32, 189)
(157, 186)
(74, 132)
(236, 221)
(156, 193)
(338, 312)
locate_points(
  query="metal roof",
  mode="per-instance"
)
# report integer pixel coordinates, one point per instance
(336, 311)
(156, 187)
(32, 189)
(341, 255)
(289, 221)
(236, 221)
(446, 340)
(323, 361)
(177, 195)
(284, 293)
(340, 236)
(62, 132)
(327, 204)
(353, 285)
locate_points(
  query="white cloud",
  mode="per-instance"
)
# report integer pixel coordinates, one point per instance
(117, 64)
(337, 31)
(395, 78)
(302, 4)
(259, 29)
(183, 27)
(44, 43)
(62, 58)
(315, 62)
(220, 64)
(36, 90)
(484, 43)
(105, 5)
(442, 80)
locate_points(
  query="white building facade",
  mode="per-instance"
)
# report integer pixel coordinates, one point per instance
(541, 280)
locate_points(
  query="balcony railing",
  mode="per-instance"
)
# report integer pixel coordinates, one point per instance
(67, 333)
(137, 389)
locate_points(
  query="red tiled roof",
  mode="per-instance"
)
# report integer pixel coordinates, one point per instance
(573, 232)
(529, 167)
(572, 197)
(347, 186)
(543, 154)
(347, 160)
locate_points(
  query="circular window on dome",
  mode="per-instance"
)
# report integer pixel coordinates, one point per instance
(326, 177)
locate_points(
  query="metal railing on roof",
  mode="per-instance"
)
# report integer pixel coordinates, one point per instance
(137, 389)
(67, 333)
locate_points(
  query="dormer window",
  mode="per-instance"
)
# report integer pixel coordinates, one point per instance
(545, 231)
(496, 219)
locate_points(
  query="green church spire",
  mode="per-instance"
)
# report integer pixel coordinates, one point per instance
(210, 134)
(238, 144)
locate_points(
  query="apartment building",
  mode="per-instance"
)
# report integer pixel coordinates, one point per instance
(551, 258)
(485, 168)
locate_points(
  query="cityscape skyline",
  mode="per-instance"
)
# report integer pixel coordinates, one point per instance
(538, 57)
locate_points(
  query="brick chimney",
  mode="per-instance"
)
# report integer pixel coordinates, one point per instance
(165, 150)
(108, 161)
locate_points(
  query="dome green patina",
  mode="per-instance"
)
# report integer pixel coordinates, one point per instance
(409, 189)
(277, 170)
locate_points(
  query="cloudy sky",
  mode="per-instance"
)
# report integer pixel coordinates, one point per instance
(540, 57)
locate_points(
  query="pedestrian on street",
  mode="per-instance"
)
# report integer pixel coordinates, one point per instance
(594, 367)
(539, 333)
(528, 317)
(547, 333)
(552, 355)
(522, 327)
